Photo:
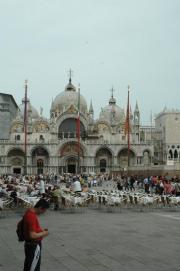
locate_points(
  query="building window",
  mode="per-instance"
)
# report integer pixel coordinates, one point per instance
(41, 138)
(17, 137)
(170, 154)
(175, 154)
(4, 107)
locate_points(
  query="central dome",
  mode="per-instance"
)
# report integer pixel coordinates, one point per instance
(112, 112)
(67, 98)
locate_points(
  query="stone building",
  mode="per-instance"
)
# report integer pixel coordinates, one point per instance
(52, 145)
(8, 109)
(167, 123)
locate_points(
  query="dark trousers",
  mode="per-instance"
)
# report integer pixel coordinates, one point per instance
(32, 256)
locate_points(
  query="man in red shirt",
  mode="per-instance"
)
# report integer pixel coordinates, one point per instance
(33, 236)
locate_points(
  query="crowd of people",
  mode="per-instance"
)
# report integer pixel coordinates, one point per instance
(105, 189)
(53, 187)
(151, 184)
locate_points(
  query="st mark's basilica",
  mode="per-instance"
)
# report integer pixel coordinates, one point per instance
(53, 147)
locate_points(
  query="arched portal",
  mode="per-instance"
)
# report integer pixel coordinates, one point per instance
(103, 165)
(40, 159)
(71, 165)
(15, 161)
(71, 158)
(71, 148)
(103, 160)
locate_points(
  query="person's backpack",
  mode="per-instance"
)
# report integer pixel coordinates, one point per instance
(20, 230)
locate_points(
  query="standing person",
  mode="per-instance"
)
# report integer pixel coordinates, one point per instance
(119, 185)
(146, 185)
(126, 183)
(131, 182)
(56, 195)
(41, 186)
(77, 186)
(34, 234)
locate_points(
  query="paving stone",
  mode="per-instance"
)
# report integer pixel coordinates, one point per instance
(97, 240)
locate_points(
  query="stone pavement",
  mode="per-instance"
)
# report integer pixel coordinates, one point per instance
(99, 241)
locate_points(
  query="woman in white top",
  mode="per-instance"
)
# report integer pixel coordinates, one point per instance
(41, 187)
(77, 186)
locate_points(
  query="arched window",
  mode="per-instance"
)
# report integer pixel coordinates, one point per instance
(17, 137)
(142, 136)
(175, 154)
(40, 152)
(68, 129)
(41, 137)
(170, 154)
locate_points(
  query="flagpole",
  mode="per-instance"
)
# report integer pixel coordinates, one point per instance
(25, 129)
(128, 129)
(78, 130)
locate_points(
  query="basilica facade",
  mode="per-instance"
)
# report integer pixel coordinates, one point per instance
(53, 147)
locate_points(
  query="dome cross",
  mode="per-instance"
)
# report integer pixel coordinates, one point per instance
(70, 74)
(112, 92)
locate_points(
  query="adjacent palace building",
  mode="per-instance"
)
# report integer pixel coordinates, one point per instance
(52, 146)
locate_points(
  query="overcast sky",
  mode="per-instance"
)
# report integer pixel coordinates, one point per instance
(105, 42)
